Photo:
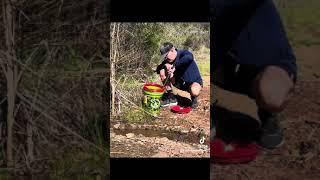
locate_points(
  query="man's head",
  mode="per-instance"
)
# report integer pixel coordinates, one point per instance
(168, 52)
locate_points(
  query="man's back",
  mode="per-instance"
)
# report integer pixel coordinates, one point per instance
(186, 67)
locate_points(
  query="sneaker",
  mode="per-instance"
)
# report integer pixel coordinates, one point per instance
(272, 134)
(194, 102)
(168, 99)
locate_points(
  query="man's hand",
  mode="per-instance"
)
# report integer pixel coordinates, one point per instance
(162, 74)
(168, 66)
(170, 69)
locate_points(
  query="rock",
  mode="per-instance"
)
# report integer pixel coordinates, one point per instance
(174, 129)
(173, 117)
(122, 127)
(184, 131)
(130, 135)
(116, 126)
(133, 126)
(141, 143)
(164, 139)
(193, 130)
(112, 134)
(161, 154)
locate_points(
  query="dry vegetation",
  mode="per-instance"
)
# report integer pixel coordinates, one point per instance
(53, 93)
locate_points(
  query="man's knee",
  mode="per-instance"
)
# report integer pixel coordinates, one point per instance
(273, 89)
(273, 104)
(195, 89)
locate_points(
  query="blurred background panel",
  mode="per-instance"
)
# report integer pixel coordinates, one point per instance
(54, 74)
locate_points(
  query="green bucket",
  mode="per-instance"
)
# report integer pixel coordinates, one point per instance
(152, 94)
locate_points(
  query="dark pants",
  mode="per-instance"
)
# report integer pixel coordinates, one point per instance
(240, 78)
(185, 86)
(235, 77)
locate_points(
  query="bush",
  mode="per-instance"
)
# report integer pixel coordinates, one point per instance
(193, 42)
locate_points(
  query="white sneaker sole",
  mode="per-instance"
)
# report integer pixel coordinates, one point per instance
(171, 104)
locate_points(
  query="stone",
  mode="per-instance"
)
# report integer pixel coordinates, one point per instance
(164, 139)
(122, 127)
(133, 126)
(112, 134)
(116, 126)
(130, 135)
(161, 154)
(184, 131)
(193, 130)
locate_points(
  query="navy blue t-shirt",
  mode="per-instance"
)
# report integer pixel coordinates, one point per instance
(186, 67)
(252, 32)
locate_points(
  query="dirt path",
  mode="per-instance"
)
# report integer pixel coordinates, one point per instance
(298, 158)
(171, 135)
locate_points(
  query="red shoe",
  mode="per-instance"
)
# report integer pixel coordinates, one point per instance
(181, 110)
(232, 153)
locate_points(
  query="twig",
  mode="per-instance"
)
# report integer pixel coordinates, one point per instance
(245, 174)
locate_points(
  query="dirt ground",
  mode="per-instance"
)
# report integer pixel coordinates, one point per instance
(179, 136)
(299, 157)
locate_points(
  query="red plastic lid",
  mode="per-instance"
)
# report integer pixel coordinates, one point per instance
(232, 153)
(180, 109)
(148, 87)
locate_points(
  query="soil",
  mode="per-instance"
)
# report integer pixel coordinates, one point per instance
(299, 157)
(170, 135)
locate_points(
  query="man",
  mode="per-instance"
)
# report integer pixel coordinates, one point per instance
(252, 56)
(179, 68)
